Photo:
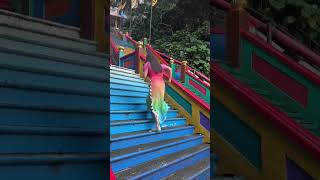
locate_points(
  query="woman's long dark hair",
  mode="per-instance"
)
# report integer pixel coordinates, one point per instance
(155, 65)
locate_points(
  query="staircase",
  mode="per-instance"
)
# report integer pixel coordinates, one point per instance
(52, 102)
(138, 153)
(286, 104)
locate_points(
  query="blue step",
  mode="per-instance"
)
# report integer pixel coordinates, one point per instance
(129, 92)
(118, 127)
(54, 81)
(128, 98)
(20, 46)
(52, 40)
(129, 84)
(135, 115)
(197, 171)
(122, 73)
(127, 78)
(125, 140)
(29, 117)
(81, 166)
(30, 63)
(122, 69)
(25, 97)
(166, 165)
(133, 156)
(50, 143)
(121, 106)
(128, 87)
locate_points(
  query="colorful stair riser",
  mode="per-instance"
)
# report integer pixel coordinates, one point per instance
(275, 147)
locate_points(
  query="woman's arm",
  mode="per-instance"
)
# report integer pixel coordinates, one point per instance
(169, 69)
(145, 70)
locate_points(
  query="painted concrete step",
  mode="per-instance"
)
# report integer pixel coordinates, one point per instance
(165, 165)
(44, 50)
(121, 73)
(117, 127)
(30, 63)
(57, 90)
(198, 171)
(128, 87)
(126, 82)
(135, 115)
(74, 44)
(37, 25)
(129, 92)
(128, 98)
(31, 117)
(51, 143)
(125, 140)
(121, 106)
(122, 69)
(27, 97)
(51, 81)
(49, 166)
(132, 156)
(129, 106)
(127, 78)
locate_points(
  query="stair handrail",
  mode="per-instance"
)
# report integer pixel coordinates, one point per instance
(115, 51)
(280, 119)
(201, 77)
(285, 40)
(177, 83)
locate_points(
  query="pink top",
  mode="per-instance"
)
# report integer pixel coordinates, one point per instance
(151, 73)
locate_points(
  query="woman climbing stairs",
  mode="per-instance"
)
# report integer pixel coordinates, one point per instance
(138, 153)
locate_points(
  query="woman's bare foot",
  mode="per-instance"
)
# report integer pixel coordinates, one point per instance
(155, 117)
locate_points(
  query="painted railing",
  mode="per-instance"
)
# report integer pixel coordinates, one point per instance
(275, 142)
(267, 98)
(295, 85)
(193, 80)
(271, 33)
(114, 53)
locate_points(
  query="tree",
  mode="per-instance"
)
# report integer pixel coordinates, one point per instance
(180, 28)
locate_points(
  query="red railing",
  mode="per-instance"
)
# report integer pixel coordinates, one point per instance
(286, 41)
(280, 119)
(197, 99)
(201, 78)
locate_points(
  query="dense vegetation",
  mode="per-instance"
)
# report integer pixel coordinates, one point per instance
(300, 17)
(180, 28)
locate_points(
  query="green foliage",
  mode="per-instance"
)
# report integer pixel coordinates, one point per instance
(188, 45)
(180, 28)
(302, 15)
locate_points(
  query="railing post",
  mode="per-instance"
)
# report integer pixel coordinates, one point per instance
(121, 54)
(183, 71)
(237, 20)
(173, 67)
(269, 33)
(99, 25)
(138, 48)
(145, 42)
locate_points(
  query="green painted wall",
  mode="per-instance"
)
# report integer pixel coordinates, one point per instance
(237, 133)
(179, 99)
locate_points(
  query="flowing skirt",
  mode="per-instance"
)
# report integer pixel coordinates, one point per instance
(156, 101)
